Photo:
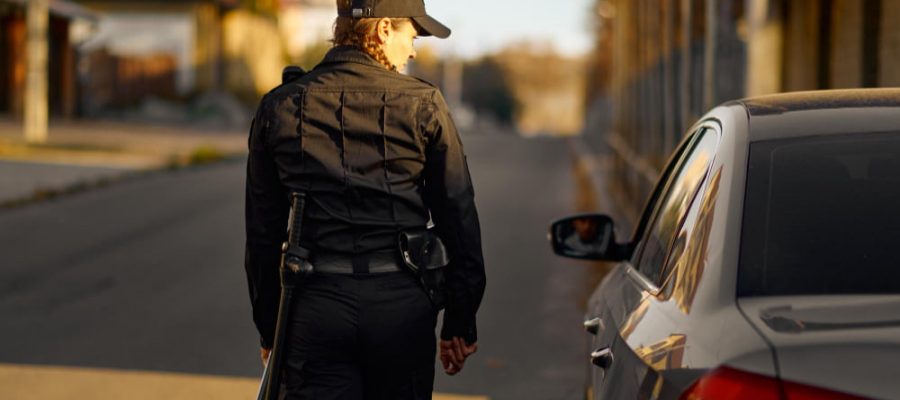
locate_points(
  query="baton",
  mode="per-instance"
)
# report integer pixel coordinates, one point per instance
(294, 265)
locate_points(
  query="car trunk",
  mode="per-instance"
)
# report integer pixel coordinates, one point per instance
(844, 343)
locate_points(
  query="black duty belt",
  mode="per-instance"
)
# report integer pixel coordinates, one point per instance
(341, 263)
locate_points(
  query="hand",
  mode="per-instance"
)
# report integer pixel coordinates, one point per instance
(264, 355)
(454, 353)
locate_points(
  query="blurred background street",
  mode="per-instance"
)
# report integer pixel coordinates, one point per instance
(123, 141)
(96, 289)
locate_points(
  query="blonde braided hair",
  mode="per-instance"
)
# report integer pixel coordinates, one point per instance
(360, 33)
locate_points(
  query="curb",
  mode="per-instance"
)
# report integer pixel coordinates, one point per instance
(598, 166)
(45, 194)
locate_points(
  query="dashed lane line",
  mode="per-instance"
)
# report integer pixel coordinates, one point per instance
(27, 382)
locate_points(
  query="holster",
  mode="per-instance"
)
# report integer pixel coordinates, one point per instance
(425, 256)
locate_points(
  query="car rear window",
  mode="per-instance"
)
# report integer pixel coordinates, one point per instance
(822, 216)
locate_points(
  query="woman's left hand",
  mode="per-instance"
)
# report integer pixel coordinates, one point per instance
(264, 355)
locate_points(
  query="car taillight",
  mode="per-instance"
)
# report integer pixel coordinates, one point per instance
(726, 383)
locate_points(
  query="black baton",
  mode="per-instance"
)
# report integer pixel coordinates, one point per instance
(294, 265)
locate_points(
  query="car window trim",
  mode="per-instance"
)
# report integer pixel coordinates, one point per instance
(658, 189)
(642, 281)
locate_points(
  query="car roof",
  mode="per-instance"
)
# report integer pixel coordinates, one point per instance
(824, 112)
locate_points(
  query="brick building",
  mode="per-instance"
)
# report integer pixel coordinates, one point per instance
(63, 88)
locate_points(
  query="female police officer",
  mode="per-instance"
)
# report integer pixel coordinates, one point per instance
(376, 154)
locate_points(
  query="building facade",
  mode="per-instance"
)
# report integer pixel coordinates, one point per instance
(65, 18)
(660, 64)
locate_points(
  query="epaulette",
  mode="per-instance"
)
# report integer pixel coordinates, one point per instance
(291, 73)
(288, 75)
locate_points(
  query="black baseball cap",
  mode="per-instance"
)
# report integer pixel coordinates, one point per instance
(413, 9)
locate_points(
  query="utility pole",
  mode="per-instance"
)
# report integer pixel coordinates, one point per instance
(36, 107)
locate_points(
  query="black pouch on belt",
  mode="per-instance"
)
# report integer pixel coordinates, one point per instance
(425, 256)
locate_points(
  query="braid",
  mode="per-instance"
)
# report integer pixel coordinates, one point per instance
(375, 51)
(360, 33)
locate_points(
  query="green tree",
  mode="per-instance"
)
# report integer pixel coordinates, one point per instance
(486, 89)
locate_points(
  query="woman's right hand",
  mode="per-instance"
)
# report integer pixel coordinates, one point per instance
(453, 354)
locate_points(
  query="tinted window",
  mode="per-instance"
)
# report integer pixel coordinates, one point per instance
(821, 216)
(674, 204)
(659, 188)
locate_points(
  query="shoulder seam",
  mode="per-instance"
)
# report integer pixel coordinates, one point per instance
(431, 85)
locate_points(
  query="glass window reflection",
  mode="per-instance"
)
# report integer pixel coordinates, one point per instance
(674, 204)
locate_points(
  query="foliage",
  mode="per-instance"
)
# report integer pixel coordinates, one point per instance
(486, 89)
(263, 7)
(312, 55)
(427, 65)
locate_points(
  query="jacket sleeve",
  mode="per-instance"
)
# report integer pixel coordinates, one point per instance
(451, 200)
(266, 213)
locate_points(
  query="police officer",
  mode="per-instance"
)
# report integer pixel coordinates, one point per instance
(376, 154)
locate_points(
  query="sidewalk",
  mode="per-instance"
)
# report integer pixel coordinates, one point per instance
(593, 176)
(70, 383)
(79, 154)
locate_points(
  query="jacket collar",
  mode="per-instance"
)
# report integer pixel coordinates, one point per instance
(343, 54)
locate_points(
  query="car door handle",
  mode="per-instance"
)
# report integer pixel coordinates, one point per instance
(594, 325)
(602, 357)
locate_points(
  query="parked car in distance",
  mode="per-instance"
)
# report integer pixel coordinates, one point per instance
(766, 263)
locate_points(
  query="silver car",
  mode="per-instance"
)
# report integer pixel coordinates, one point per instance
(766, 264)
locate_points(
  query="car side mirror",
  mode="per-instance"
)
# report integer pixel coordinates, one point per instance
(587, 237)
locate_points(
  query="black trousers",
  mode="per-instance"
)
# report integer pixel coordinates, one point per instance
(364, 336)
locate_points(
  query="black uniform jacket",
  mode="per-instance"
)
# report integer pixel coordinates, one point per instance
(376, 152)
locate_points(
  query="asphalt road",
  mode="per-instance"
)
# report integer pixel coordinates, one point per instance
(89, 280)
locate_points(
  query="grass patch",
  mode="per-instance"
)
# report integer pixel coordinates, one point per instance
(76, 147)
(205, 155)
(202, 155)
(11, 147)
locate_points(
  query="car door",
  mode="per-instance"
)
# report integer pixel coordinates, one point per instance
(599, 323)
(621, 372)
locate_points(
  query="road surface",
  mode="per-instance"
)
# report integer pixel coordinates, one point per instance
(147, 276)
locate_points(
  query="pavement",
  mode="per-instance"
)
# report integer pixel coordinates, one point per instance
(87, 297)
(22, 180)
(67, 383)
(592, 168)
(82, 154)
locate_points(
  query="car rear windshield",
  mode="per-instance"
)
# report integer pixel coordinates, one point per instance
(822, 216)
